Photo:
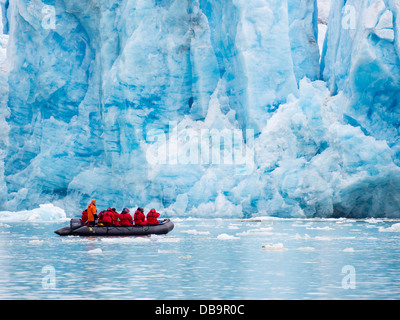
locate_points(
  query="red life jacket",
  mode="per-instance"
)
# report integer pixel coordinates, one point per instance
(139, 218)
(125, 219)
(152, 217)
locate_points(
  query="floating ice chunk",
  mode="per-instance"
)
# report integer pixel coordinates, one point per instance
(126, 240)
(393, 228)
(323, 238)
(266, 229)
(299, 237)
(45, 212)
(36, 242)
(186, 257)
(320, 228)
(348, 250)
(306, 249)
(373, 220)
(167, 251)
(225, 236)
(195, 232)
(164, 239)
(260, 231)
(272, 247)
(95, 251)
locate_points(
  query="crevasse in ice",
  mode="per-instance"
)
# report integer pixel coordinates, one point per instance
(201, 107)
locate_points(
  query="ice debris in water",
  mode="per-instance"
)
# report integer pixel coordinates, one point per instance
(225, 236)
(306, 249)
(393, 228)
(37, 242)
(95, 251)
(274, 246)
(195, 232)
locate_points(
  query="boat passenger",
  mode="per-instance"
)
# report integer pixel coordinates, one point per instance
(152, 217)
(91, 211)
(125, 218)
(139, 217)
(101, 215)
(115, 217)
(84, 217)
(107, 217)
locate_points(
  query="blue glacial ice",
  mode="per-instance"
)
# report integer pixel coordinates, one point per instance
(121, 101)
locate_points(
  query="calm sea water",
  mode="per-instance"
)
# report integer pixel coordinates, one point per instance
(206, 259)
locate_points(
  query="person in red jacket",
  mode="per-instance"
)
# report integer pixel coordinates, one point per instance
(100, 217)
(139, 217)
(115, 217)
(84, 217)
(107, 217)
(152, 217)
(125, 218)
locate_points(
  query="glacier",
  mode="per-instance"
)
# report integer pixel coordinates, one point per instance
(201, 107)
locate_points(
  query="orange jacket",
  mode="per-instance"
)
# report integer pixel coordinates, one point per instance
(91, 210)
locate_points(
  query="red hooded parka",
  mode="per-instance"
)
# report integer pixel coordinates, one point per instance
(152, 217)
(139, 218)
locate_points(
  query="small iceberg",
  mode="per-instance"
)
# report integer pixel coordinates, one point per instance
(393, 228)
(36, 242)
(273, 247)
(95, 251)
(195, 232)
(306, 249)
(225, 236)
(45, 213)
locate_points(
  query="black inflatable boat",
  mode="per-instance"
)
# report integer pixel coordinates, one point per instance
(76, 228)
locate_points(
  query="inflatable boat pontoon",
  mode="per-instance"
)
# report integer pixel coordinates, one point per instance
(76, 228)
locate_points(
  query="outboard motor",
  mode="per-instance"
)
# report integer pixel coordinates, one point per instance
(75, 223)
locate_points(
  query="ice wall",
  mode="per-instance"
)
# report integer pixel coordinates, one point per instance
(4, 110)
(88, 79)
(361, 62)
(121, 100)
(362, 59)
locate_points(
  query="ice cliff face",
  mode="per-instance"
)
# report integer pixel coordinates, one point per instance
(362, 60)
(4, 111)
(199, 107)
